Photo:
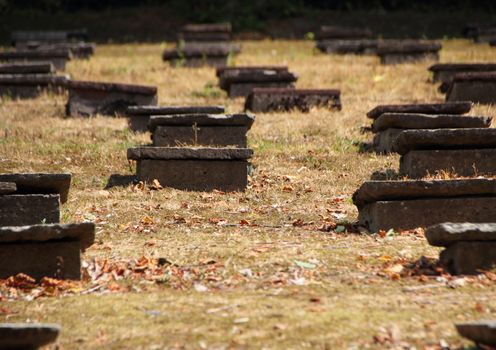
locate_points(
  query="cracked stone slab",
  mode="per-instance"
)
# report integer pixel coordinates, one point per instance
(7, 187)
(424, 108)
(446, 234)
(27, 335)
(373, 191)
(428, 121)
(82, 232)
(200, 153)
(40, 183)
(27, 68)
(468, 138)
(242, 119)
(481, 332)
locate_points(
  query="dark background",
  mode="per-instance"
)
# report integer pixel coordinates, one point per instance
(158, 20)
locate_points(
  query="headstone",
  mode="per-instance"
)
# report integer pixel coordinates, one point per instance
(464, 152)
(394, 51)
(39, 251)
(27, 336)
(351, 46)
(238, 69)
(49, 36)
(87, 98)
(80, 50)
(206, 32)
(58, 58)
(389, 125)
(197, 169)
(470, 248)
(474, 87)
(408, 204)
(201, 129)
(424, 108)
(139, 116)
(444, 72)
(285, 99)
(198, 56)
(240, 83)
(31, 85)
(27, 68)
(40, 183)
(481, 332)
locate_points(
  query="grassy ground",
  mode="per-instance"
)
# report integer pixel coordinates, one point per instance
(279, 266)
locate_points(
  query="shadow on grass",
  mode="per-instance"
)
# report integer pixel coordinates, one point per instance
(117, 180)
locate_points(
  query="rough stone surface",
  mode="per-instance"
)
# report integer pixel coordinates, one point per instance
(475, 87)
(215, 136)
(480, 332)
(255, 76)
(383, 140)
(444, 72)
(31, 85)
(196, 175)
(31, 209)
(27, 68)
(245, 89)
(426, 211)
(90, 98)
(82, 232)
(27, 336)
(40, 183)
(7, 187)
(201, 153)
(241, 119)
(269, 99)
(468, 138)
(448, 233)
(373, 191)
(81, 50)
(335, 32)
(139, 116)
(221, 70)
(58, 58)
(428, 121)
(49, 36)
(357, 46)
(425, 108)
(407, 47)
(463, 162)
(469, 258)
(54, 259)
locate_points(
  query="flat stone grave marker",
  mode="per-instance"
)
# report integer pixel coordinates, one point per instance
(31, 85)
(444, 72)
(189, 168)
(470, 248)
(81, 50)
(52, 36)
(481, 332)
(139, 116)
(408, 204)
(286, 99)
(389, 125)
(465, 152)
(27, 68)
(36, 198)
(27, 336)
(198, 56)
(201, 129)
(87, 98)
(394, 52)
(336, 32)
(240, 83)
(229, 70)
(424, 108)
(474, 87)
(206, 32)
(47, 250)
(58, 58)
(350, 46)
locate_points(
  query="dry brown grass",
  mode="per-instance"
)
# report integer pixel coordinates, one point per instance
(306, 168)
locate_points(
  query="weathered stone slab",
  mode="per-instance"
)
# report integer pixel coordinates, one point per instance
(354, 46)
(383, 140)
(80, 50)
(481, 332)
(31, 85)
(7, 187)
(214, 136)
(336, 32)
(229, 70)
(426, 211)
(197, 56)
(468, 138)
(40, 183)
(241, 119)
(274, 99)
(27, 336)
(58, 58)
(444, 72)
(241, 83)
(139, 116)
(29, 209)
(428, 121)
(469, 258)
(424, 108)
(49, 36)
(374, 191)
(27, 68)
(462, 162)
(448, 233)
(203, 153)
(394, 52)
(88, 98)
(474, 87)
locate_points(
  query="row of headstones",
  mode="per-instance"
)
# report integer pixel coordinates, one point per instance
(436, 139)
(349, 40)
